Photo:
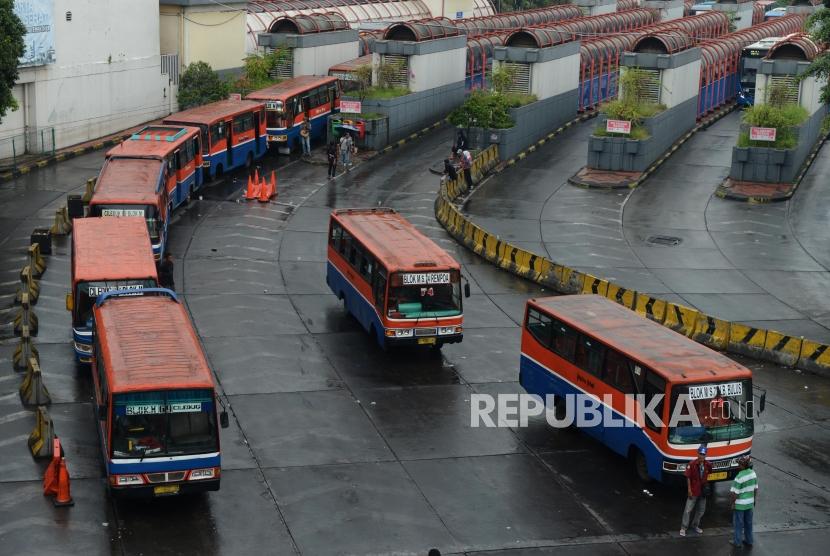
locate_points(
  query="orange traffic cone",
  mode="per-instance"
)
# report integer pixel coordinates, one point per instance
(264, 192)
(252, 192)
(63, 498)
(256, 175)
(50, 478)
(273, 183)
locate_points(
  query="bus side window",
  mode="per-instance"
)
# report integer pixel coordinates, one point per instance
(617, 372)
(335, 235)
(540, 327)
(355, 252)
(589, 355)
(564, 340)
(345, 243)
(655, 386)
(379, 287)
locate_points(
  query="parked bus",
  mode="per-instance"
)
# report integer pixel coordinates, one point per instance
(129, 186)
(107, 254)
(750, 62)
(402, 287)
(232, 133)
(589, 345)
(288, 103)
(179, 150)
(155, 400)
(346, 72)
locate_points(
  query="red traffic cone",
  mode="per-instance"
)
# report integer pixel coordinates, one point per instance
(63, 498)
(252, 192)
(50, 478)
(256, 175)
(273, 183)
(264, 192)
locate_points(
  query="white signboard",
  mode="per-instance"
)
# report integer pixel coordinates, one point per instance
(95, 291)
(708, 391)
(351, 106)
(618, 126)
(426, 278)
(36, 15)
(152, 409)
(122, 212)
(762, 134)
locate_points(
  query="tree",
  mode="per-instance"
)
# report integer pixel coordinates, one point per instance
(819, 26)
(363, 77)
(12, 48)
(200, 85)
(258, 69)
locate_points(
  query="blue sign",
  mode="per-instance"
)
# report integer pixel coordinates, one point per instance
(36, 15)
(459, 15)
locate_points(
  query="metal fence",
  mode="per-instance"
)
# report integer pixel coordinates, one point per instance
(17, 148)
(170, 66)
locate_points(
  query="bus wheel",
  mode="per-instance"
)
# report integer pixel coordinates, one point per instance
(249, 160)
(638, 460)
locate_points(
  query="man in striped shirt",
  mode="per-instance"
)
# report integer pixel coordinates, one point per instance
(744, 494)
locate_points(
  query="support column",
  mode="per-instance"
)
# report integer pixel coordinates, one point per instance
(669, 9)
(597, 7)
(739, 13)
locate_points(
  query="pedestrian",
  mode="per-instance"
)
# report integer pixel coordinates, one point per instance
(461, 140)
(466, 166)
(449, 170)
(697, 489)
(305, 137)
(166, 272)
(346, 150)
(744, 493)
(331, 154)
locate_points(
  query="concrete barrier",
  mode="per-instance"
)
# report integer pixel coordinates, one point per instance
(716, 333)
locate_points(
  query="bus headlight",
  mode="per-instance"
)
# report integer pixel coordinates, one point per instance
(444, 330)
(206, 473)
(400, 332)
(127, 480)
(82, 348)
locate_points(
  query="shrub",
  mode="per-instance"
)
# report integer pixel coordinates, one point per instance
(489, 109)
(782, 118)
(631, 107)
(200, 85)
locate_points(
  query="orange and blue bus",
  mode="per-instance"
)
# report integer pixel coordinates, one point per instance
(155, 401)
(107, 254)
(402, 287)
(588, 346)
(289, 103)
(134, 186)
(233, 133)
(178, 148)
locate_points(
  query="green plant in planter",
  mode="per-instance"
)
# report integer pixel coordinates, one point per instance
(779, 113)
(632, 105)
(491, 108)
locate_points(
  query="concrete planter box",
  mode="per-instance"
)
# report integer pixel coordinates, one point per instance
(376, 136)
(770, 165)
(633, 155)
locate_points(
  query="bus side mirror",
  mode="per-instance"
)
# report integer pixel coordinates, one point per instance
(102, 412)
(70, 302)
(223, 419)
(467, 289)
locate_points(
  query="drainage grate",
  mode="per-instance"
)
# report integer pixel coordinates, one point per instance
(669, 241)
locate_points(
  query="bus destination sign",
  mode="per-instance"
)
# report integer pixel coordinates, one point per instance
(95, 291)
(426, 278)
(708, 391)
(153, 409)
(122, 212)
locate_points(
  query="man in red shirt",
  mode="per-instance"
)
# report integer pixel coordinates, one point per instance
(697, 475)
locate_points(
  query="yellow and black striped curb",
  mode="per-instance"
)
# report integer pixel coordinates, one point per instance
(716, 333)
(725, 192)
(61, 156)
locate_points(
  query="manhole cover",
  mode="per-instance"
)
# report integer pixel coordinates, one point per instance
(670, 241)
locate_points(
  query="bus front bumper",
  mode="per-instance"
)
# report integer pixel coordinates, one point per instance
(165, 489)
(432, 340)
(722, 469)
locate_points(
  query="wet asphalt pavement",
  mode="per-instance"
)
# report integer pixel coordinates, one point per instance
(336, 447)
(763, 265)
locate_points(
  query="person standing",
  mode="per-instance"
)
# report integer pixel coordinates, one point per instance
(331, 155)
(744, 493)
(346, 150)
(466, 167)
(461, 141)
(449, 170)
(305, 138)
(166, 272)
(697, 487)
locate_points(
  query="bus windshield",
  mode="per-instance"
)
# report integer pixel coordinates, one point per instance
(164, 423)
(723, 410)
(274, 119)
(424, 295)
(87, 292)
(148, 212)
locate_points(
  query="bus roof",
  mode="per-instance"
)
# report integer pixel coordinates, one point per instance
(211, 113)
(128, 181)
(394, 240)
(154, 141)
(111, 249)
(148, 343)
(351, 65)
(670, 354)
(290, 87)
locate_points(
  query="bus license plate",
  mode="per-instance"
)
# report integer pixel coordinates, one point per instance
(165, 490)
(426, 341)
(719, 476)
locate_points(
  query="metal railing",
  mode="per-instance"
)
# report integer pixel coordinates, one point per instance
(17, 148)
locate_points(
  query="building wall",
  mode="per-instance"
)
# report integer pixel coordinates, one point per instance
(429, 71)
(106, 77)
(680, 84)
(317, 60)
(450, 8)
(214, 33)
(554, 77)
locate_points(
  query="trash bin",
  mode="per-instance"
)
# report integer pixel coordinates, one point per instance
(75, 206)
(43, 237)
